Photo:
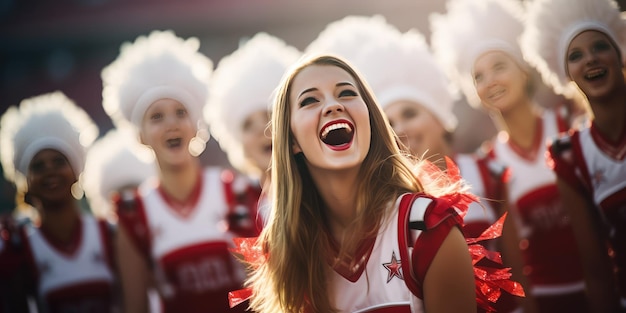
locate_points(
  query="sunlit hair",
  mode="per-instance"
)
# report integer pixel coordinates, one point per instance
(295, 274)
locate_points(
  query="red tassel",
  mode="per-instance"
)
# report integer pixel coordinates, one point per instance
(239, 296)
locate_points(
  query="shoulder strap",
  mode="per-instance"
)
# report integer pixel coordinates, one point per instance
(242, 202)
(494, 176)
(412, 209)
(567, 160)
(107, 230)
(492, 274)
(132, 217)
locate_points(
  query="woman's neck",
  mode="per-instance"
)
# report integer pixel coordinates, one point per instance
(338, 190)
(60, 223)
(610, 115)
(179, 182)
(520, 123)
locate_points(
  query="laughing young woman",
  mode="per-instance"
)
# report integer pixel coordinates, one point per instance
(478, 43)
(335, 239)
(591, 162)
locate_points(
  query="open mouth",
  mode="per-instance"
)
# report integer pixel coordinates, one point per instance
(174, 143)
(595, 74)
(498, 93)
(337, 133)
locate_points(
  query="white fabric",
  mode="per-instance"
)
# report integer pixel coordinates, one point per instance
(471, 174)
(373, 289)
(57, 270)
(171, 231)
(607, 174)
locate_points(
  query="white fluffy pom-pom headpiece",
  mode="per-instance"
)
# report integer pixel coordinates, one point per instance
(471, 28)
(48, 121)
(155, 67)
(551, 26)
(401, 67)
(345, 37)
(244, 83)
(113, 162)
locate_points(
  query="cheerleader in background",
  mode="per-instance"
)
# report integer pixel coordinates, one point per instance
(174, 233)
(241, 89)
(579, 47)
(477, 41)
(115, 166)
(68, 253)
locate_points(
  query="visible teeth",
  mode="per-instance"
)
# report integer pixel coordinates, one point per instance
(173, 142)
(595, 73)
(335, 126)
(497, 93)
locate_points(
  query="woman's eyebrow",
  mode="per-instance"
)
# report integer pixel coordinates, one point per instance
(307, 90)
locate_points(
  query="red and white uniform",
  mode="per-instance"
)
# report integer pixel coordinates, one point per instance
(377, 284)
(551, 259)
(246, 203)
(596, 167)
(78, 279)
(187, 245)
(485, 176)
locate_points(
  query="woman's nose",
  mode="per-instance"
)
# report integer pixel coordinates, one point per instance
(332, 107)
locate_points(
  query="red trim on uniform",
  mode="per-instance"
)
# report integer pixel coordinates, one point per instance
(344, 266)
(94, 296)
(258, 218)
(227, 178)
(134, 221)
(184, 208)
(493, 184)
(67, 249)
(107, 242)
(565, 169)
(28, 253)
(439, 219)
(206, 247)
(427, 246)
(403, 241)
(579, 161)
(253, 197)
(614, 149)
(248, 198)
(391, 309)
(530, 154)
(615, 200)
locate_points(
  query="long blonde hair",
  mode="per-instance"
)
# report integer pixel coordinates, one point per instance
(294, 276)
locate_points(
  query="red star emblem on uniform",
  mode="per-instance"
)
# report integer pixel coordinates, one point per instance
(394, 268)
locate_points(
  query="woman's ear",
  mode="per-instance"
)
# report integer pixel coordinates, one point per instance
(295, 147)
